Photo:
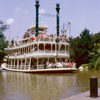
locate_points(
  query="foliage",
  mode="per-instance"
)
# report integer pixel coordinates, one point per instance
(12, 42)
(95, 52)
(80, 47)
(3, 42)
(90, 65)
(84, 65)
(85, 49)
(97, 63)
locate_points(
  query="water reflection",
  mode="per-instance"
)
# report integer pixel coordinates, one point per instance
(25, 86)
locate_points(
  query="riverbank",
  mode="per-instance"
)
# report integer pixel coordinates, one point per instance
(83, 96)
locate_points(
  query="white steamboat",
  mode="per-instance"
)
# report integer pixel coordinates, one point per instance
(37, 49)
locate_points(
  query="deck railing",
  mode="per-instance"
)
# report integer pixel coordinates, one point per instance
(27, 67)
(41, 52)
(35, 41)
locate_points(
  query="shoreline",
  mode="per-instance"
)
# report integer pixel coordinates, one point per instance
(83, 96)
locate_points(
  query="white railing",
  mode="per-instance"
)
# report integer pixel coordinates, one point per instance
(41, 53)
(19, 67)
(36, 41)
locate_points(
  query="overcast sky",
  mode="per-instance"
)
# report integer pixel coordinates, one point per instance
(20, 15)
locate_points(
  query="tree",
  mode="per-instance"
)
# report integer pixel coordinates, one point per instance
(80, 47)
(3, 42)
(95, 53)
(12, 42)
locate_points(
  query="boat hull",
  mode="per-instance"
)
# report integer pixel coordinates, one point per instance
(50, 70)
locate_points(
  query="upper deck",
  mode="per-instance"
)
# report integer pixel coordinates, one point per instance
(29, 38)
(42, 39)
(42, 45)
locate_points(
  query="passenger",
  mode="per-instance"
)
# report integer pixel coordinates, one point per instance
(53, 65)
(30, 49)
(63, 63)
(58, 65)
(50, 65)
(66, 64)
(45, 66)
(73, 64)
(47, 63)
(69, 65)
(32, 38)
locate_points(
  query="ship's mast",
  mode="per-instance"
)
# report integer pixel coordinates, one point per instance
(37, 15)
(57, 9)
(57, 40)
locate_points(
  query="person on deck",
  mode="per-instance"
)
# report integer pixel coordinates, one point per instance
(69, 65)
(73, 64)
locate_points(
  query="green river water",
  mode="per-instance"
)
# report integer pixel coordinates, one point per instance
(26, 86)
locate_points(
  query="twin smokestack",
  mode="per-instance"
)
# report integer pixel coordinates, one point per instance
(37, 17)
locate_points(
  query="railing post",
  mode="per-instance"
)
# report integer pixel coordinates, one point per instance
(94, 87)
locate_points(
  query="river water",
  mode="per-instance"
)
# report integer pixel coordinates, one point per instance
(26, 86)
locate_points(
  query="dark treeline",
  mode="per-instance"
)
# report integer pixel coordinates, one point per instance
(85, 49)
(3, 42)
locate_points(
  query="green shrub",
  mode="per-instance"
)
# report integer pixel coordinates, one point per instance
(84, 65)
(91, 65)
(97, 63)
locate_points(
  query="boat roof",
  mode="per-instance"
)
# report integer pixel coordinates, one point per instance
(40, 27)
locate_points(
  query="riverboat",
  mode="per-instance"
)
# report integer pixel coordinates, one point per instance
(37, 49)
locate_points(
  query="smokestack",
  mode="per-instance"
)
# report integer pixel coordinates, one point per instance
(37, 15)
(57, 9)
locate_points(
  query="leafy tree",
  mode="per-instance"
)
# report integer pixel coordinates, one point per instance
(95, 53)
(3, 42)
(12, 42)
(80, 47)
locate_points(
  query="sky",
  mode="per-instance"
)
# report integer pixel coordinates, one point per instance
(20, 15)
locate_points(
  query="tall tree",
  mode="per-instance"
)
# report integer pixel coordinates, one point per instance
(3, 42)
(80, 47)
(95, 53)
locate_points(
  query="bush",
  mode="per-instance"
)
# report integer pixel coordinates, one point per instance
(84, 65)
(91, 65)
(97, 63)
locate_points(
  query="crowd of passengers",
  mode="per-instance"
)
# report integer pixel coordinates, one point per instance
(61, 64)
(48, 37)
(41, 37)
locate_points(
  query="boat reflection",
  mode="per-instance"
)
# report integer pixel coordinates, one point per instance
(36, 87)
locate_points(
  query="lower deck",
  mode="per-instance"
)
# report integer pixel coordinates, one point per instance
(32, 63)
(49, 70)
(39, 65)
